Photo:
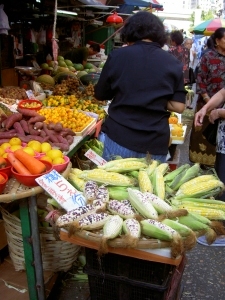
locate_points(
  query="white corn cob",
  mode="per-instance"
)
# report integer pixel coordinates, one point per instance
(102, 194)
(158, 230)
(74, 214)
(132, 228)
(160, 205)
(92, 221)
(118, 208)
(111, 229)
(182, 229)
(90, 190)
(142, 204)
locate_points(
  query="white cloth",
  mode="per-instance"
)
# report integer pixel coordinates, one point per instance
(193, 57)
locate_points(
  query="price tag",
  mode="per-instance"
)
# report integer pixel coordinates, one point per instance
(95, 158)
(61, 190)
(30, 94)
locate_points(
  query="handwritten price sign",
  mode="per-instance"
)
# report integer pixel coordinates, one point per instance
(95, 158)
(61, 190)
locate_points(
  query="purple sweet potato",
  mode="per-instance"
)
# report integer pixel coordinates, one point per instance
(24, 125)
(61, 146)
(18, 128)
(62, 139)
(38, 118)
(69, 131)
(2, 141)
(70, 139)
(12, 119)
(38, 125)
(7, 135)
(32, 130)
(39, 138)
(27, 112)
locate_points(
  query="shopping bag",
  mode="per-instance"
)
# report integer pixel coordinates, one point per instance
(210, 132)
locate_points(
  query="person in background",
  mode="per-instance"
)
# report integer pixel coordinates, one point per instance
(208, 46)
(80, 55)
(210, 79)
(211, 109)
(180, 52)
(144, 88)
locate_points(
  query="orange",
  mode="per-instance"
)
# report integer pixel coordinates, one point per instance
(15, 141)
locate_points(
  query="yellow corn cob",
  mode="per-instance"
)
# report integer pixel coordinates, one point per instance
(163, 168)
(150, 169)
(196, 181)
(201, 203)
(144, 181)
(126, 166)
(76, 182)
(102, 176)
(210, 213)
(75, 171)
(200, 189)
(159, 187)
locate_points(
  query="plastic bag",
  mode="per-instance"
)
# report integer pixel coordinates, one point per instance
(4, 23)
(42, 37)
(210, 132)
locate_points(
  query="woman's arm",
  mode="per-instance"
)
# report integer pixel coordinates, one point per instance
(214, 102)
(175, 106)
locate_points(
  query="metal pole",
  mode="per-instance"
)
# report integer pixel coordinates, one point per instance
(36, 248)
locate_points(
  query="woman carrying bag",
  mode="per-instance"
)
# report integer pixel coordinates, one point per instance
(210, 79)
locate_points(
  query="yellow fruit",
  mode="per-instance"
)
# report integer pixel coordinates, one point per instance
(5, 155)
(58, 161)
(36, 146)
(15, 147)
(45, 147)
(54, 153)
(29, 150)
(5, 146)
(46, 158)
(15, 141)
(2, 152)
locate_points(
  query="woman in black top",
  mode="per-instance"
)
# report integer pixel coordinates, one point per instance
(144, 83)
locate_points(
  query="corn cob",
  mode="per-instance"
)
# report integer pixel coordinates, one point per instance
(133, 174)
(210, 203)
(182, 229)
(210, 213)
(196, 181)
(90, 190)
(213, 186)
(75, 171)
(118, 192)
(144, 182)
(151, 168)
(132, 230)
(189, 174)
(92, 221)
(160, 205)
(110, 178)
(193, 223)
(142, 204)
(127, 163)
(111, 229)
(159, 184)
(172, 175)
(163, 168)
(118, 208)
(76, 182)
(78, 213)
(102, 194)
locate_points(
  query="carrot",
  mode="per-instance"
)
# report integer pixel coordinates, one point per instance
(17, 165)
(33, 165)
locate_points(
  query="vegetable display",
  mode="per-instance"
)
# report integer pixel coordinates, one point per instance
(178, 218)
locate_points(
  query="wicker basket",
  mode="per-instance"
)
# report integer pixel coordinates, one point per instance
(57, 255)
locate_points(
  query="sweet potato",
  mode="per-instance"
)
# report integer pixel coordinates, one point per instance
(58, 127)
(69, 131)
(70, 139)
(61, 146)
(2, 141)
(51, 126)
(32, 130)
(50, 133)
(27, 112)
(24, 138)
(43, 133)
(35, 119)
(38, 125)
(24, 125)
(62, 139)
(39, 138)
(18, 128)
(12, 119)
(7, 135)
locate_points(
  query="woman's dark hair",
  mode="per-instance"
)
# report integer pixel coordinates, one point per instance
(177, 37)
(143, 25)
(218, 34)
(210, 43)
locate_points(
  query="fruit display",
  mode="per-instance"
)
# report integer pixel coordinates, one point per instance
(122, 203)
(8, 101)
(13, 92)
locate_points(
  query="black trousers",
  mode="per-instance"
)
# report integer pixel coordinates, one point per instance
(220, 169)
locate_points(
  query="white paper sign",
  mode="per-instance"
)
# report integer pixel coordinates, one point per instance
(95, 158)
(61, 190)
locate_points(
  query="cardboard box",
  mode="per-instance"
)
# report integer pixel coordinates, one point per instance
(3, 238)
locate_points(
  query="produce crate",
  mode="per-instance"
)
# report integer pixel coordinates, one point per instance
(162, 282)
(129, 267)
